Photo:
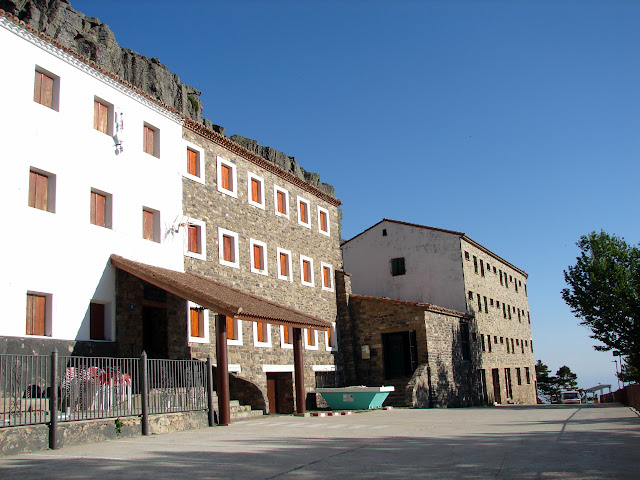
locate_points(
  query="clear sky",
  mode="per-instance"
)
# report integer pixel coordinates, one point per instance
(516, 122)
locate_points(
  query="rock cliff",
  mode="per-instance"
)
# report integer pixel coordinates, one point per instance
(94, 40)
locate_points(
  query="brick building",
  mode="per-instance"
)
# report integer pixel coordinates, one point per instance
(420, 267)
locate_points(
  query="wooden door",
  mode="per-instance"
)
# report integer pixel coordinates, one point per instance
(272, 392)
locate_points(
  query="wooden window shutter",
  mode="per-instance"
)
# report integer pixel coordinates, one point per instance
(287, 334)
(43, 90)
(38, 185)
(193, 239)
(281, 203)
(98, 205)
(257, 257)
(329, 337)
(326, 278)
(194, 316)
(306, 271)
(304, 217)
(231, 332)
(311, 338)
(192, 162)
(227, 248)
(227, 177)
(148, 140)
(96, 321)
(147, 225)
(100, 115)
(36, 312)
(260, 328)
(255, 190)
(283, 265)
(323, 221)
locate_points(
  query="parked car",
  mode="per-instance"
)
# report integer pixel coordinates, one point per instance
(570, 397)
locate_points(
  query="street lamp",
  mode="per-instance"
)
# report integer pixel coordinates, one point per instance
(616, 353)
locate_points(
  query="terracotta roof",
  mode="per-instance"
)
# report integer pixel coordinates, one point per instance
(452, 232)
(427, 306)
(217, 297)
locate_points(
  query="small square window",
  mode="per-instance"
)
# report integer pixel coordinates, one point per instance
(151, 224)
(234, 331)
(284, 264)
(470, 295)
(194, 165)
(102, 116)
(303, 212)
(261, 334)
(310, 339)
(397, 266)
(38, 314)
(286, 337)
(46, 89)
(384, 232)
(330, 339)
(101, 204)
(258, 254)
(281, 201)
(327, 276)
(196, 239)
(323, 221)
(42, 190)
(306, 271)
(151, 140)
(466, 256)
(255, 185)
(227, 178)
(228, 248)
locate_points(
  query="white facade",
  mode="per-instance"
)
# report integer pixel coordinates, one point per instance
(59, 253)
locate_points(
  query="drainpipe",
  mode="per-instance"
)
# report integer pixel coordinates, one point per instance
(224, 406)
(299, 371)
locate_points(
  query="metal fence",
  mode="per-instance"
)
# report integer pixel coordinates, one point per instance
(51, 389)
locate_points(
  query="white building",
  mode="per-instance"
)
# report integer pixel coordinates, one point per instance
(92, 167)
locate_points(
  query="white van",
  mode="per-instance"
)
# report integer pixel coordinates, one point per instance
(570, 397)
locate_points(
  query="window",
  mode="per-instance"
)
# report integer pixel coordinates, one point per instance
(234, 331)
(281, 201)
(528, 317)
(504, 311)
(310, 339)
(486, 305)
(470, 295)
(507, 345)
(384, 232)
(330, 340)
(475, 264)
(494, 270)
(284, 264)
(102, 116)
(97, 321)
(501, 281)
(196, 245)
(327, 276)
(227, 179)
(489, 342)
(258, 254)
(479, 302)
(38, 314)
(303, 212)
(151, 140)
(306, 271)
(151, 225)
(100, 209)
(481, 268)
(518, 376)
(491, 302)
(522, 346)
(513, 350)
(482, 342)
(228, 248)
(509, 310)
(256, 190)
(501, 340)
(261, 334)
(42, 190)
(527, 375)
(46, 89)
(498, 304)
(466, 255)
(397, 266)
(286, 337)
(515, 284)
(196, 322)
(323, 221)
(194, 166)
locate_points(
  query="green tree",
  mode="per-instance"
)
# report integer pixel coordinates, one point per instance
(545, 382)
(604, 292)
(565, 379)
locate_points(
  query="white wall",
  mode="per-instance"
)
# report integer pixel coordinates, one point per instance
(61, 253)
(432, 260)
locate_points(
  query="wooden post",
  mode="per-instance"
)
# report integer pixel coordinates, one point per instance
(224, 406)
(299, 371)
(53, 402)
(144, 392)
(209, 366)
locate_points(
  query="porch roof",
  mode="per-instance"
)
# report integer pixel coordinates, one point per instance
(219, 298)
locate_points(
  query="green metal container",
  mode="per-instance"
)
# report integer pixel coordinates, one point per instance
(355, 398)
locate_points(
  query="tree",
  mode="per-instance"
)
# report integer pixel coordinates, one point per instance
(544, 381)
(604, 292)
(565, 379)
(550, 386)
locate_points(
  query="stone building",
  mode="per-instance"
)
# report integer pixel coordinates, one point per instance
(420, 267)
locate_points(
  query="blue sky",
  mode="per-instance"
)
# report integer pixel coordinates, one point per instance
(516, 122)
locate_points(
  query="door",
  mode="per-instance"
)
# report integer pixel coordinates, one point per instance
(495, 373)
(400, 354)
(272, 392)
(155, 339)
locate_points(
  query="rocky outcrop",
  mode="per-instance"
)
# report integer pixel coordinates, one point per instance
(94, 40)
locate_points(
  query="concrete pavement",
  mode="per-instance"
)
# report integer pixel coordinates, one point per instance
(544, 442)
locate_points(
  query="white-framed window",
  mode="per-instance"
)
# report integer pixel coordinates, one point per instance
(327, 276)
(228, 248)
(306, 271)
(151, 224)
(194, 164)
(284, 264)
(286, 337)
(234, 331)
(255, 190)
(227, 178)
(42, 190)
(261, 334)
(197, 323)
(151, 140)
(39, 318)
(103, 116)
(100, 321)
(46, 90)
(258, 254)
(304, 214)
(101, 208)
(310, 339)
(195, 242)
(281, 201)
(330, 339)
(323, 221)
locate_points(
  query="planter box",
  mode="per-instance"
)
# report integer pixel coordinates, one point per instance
(355, 398)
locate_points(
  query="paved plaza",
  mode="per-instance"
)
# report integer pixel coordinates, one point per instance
(544, 442)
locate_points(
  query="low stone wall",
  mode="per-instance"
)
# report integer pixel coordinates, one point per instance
(33, 438)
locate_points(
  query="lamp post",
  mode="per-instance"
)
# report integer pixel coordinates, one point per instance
(616, 353)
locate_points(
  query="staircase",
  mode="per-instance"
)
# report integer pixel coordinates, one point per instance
(397, 398)
(238, 411)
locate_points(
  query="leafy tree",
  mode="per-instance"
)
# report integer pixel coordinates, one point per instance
(550, 386)
(565, 379)
(544, 381)
(604, 292)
